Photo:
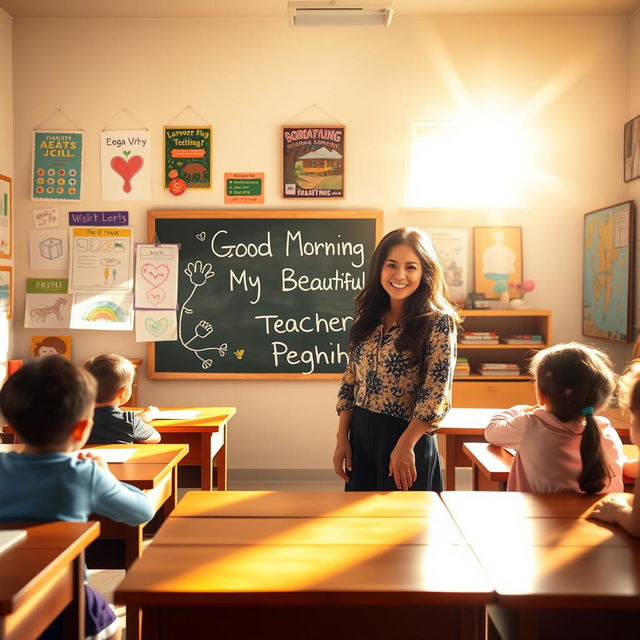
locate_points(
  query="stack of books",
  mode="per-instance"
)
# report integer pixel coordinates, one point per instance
(479, 337)
(523, 338)
(462, 367)
(498, 369)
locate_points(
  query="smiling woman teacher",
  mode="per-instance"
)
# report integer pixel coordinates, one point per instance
(397, 386)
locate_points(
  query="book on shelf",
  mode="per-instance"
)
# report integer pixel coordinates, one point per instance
(521, 341)
(480, 334)
(499, 372)
(498, 365)
(464, 340)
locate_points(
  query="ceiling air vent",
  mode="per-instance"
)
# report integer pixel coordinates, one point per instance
(343, 14)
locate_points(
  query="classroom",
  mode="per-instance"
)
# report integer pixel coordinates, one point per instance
(476, 121)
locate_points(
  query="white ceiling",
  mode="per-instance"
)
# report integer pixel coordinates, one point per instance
(278, 8)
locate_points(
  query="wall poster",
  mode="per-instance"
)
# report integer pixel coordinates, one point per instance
(57, 165)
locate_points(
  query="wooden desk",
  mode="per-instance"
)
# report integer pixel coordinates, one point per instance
(467, 425)
(206, 435)
(342, 570)
(556, 574)
(490, 465)
(41, 576)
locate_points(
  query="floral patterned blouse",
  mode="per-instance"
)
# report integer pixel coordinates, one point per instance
(379, 378)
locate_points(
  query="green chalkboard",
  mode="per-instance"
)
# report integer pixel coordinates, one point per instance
(280, 302)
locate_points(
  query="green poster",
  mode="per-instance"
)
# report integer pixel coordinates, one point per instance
(187, 158)
(57, 165)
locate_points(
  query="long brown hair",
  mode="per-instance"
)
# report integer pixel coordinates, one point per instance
(430, 298)
(574, 377)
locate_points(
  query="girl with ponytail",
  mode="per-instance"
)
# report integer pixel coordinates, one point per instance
(562, 444)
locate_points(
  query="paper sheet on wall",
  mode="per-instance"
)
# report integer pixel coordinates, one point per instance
(101, 259)
(47, 304)
(452, 247)
(126, 164)
(156, 276)
(45, 217)
(103, 311)
(156, 325)
(49, 249)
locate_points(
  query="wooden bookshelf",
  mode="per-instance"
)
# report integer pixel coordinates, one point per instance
(496, 391)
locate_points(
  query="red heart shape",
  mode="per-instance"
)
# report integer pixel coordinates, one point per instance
(126, 169)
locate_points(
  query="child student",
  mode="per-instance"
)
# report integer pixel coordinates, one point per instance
(625, 510)
(397, 386)
(112, 425)
(49, 403)
(561, 444)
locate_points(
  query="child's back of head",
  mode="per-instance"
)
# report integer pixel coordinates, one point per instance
(574, 381)
(46, 398)
(112, 372)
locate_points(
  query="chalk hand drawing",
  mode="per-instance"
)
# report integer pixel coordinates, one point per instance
(198, 273)
(201, 236)
(42, 312)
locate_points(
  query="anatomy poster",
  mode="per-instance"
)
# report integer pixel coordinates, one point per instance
(156, 325)
(101, 259)
(156, 283)
(49, 249)
(47, 304)
(126, 165)
(57, 165)
(104, 311)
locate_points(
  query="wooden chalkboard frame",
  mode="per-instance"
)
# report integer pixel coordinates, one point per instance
(153, 215)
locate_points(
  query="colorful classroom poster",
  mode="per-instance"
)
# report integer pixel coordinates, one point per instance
(98, 218)
(45, 218)
(6, 204)
(49, 249)
(47, 303)
(101, 259)
(156, 325)
(187, 158)
(452, 247)
(313, 162)
(6, 290)
(50, 345)
(126, 164)
(156, 282)
(244, 188)
(57, 165)
(104, 311)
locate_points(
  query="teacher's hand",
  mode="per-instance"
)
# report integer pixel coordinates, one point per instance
(402, 466)
(342, 459)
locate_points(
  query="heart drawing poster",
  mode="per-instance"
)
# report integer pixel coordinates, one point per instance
(156, 326)
(126, 164)
(156, 281)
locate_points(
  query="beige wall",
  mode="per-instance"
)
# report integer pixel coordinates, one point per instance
(249, 77)
(6, 151)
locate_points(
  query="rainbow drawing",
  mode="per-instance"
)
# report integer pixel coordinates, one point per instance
(104, 311)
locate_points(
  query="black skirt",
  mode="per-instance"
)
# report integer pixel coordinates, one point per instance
(373, 437)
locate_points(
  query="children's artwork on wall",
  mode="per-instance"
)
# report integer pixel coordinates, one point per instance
(156, 325)
(244, 188)
(313, 162)
(156, 283)
(607, 279)
(57, 165)
(126, 164)
(6, 291)
(101, 259)
(6, 209)
(632, 149)
(103, 311)
(497, 258)
(47, 303)
(45, 218)
(49, 249)
(187, 158)
(452, 247)
(50, 345)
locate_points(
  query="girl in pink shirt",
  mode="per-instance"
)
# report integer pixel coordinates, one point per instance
(561, 444)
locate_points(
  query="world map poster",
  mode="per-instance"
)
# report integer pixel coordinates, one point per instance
(608, 273)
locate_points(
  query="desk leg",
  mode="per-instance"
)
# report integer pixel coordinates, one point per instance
(475, 478)
(221, 461)
(132, 545)
(150, 627)
(74, 614)
(134, 620)
(206, 462)
(171, 502)
(450, 462)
